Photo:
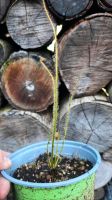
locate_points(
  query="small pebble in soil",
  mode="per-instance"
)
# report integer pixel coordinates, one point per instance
(38, 171)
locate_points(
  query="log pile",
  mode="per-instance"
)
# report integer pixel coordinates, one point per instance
(85, 67)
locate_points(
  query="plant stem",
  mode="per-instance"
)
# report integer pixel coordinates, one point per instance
(56, 80)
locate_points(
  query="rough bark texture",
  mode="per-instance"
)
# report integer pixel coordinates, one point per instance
(26, 83)
(90, 122)
(105, 4)
(4, 4)
(69, 9)
(85, 55)
(28, 24)
(5, 50)
(19, 128)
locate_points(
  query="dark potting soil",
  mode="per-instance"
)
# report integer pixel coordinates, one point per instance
(39, 171)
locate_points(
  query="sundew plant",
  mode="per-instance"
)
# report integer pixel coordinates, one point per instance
(54, 156)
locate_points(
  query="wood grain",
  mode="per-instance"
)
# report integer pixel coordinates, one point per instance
(5, 51)
(28, 24)
(19, 128)
(90, 122)
(105, 4)
(70, 9)
(85, 55)
(25, 82)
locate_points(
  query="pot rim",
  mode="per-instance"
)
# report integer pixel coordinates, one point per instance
(56, 184)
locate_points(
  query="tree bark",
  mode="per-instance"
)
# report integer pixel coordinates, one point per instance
(70, 9)
(85, 55)
(5, 51)
(28, 24)
(105, 4)
(4, 4)
(26, 83)
(90, 122)
(19, 128)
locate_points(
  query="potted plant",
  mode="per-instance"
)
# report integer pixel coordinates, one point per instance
(68, 168)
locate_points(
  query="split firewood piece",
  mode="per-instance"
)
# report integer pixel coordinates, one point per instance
(69, 9)
(86, 61)
(105, 4)
(5, 51)
(26, 82)
(103, 175)
(4, 4)
(28, 24)
(90, 121)
(20, 128)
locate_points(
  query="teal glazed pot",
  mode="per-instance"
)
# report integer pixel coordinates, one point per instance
(80, 188)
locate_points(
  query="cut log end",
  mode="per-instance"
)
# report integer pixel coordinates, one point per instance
(90, 122)
(5, 50)
(28, 24)
(105, 4)
(27, 84)
(70, 9)
(85, 62)
(18, 129)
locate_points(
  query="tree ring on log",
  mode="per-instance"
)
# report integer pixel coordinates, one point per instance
(85, 55)
(69, 9)
(26, 83)
(28, 24)
(90, 122)
(20, 128)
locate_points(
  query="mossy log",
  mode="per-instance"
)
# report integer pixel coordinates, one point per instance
(26, 83)
(85, 55)
(5, 51)
(105, 4)
(28, 24)
(20, 128)
(90, 121)
(70, 9)
(4, 4)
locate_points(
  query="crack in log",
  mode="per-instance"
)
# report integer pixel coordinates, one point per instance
(93, 132)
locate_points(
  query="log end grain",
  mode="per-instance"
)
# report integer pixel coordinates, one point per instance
(85, 55)
(70, 9)
(26, 83)
(105, 4)
(28, 24)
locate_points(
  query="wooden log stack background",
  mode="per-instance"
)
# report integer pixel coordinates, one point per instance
(85, 67)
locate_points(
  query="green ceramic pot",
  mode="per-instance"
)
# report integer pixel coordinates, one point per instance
(80, 188)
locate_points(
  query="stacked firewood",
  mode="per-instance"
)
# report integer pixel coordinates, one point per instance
(85, 67)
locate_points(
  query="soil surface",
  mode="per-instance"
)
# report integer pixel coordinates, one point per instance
(39, 171)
